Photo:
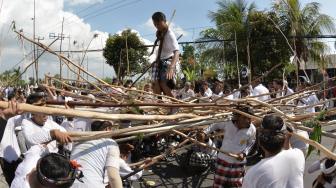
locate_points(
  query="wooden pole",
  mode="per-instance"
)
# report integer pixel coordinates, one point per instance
(204, 145)
(93, 115)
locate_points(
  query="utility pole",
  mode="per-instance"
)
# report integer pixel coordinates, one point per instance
(36, 61)
(34, 47)
(59, 36)
(69, 46)
(101, 40)
(87, 67)
(60, 60)
(127, 55)
(85, 52)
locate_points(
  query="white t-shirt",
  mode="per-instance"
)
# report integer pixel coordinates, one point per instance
(186, 94)
(125, 170)
(235, 140)
(94, 156)
(78, 124)
(309, 100)
(299, 144)
(27, 165)
(170, 45)
(259, 90)
(9, 147)
(284, 170)
(208, 93)
(35, 134)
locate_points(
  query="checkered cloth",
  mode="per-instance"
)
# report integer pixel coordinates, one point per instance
(228, 174)
(199, 159)
(155, 71)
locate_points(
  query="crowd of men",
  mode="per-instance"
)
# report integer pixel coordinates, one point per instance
(37, 150)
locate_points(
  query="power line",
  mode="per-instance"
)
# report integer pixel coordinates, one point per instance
(99, 12)
(218, 40)
(73, 15)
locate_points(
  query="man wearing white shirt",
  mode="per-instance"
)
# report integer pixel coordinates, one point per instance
(239, 137)
(10, 150)
(282, 85)
(125, 169)
(187, 91)
(164, 69)
(260, 89)
(206, 89)
(41, 169)
(218, 90)
(282, 166)
(40, 130)
(308, 99)
(98, 159)
(77, 124)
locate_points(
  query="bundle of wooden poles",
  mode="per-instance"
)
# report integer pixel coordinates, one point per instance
(147, 111)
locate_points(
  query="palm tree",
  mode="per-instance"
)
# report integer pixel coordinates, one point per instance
(299, 21)
(232, 21)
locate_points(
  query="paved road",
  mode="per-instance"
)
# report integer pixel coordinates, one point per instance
(171, 175)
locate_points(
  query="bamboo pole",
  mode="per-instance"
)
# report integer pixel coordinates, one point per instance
(315, 144)
(93, 115)
(141, 92)
(168, 105)
(65, 59)
(71, 95)
(205, 145)
(123, 132)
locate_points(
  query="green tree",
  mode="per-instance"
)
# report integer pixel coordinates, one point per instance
(126, 61)
(231, 21)
(12, 77)
(301, 21)
(108, 80)
(188, 57)
(241, 21)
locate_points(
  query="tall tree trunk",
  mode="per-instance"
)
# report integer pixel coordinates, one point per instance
(237, 58)
(249, 61)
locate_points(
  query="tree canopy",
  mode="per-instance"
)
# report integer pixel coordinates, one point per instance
(126, 61)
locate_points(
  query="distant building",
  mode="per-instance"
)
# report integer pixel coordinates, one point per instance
(314, 71)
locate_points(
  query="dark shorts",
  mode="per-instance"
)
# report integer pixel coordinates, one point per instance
(159, 72)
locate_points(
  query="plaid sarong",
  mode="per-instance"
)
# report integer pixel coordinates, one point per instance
(228, 174)
(155, 71)
(199, 159)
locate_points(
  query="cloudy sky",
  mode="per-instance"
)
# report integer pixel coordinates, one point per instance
(84, 18)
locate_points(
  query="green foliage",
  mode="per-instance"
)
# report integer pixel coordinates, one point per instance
(107, 80)
(115, 54)
(188, 57)
(12, 77)
(316, 135)
(267, 45)
(289, 68)
(302, 21)
(237, 16)
(140, 136)
(190, 74)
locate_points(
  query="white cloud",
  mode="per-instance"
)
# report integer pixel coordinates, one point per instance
(79, 2)
(176, 29)
(49, 14)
